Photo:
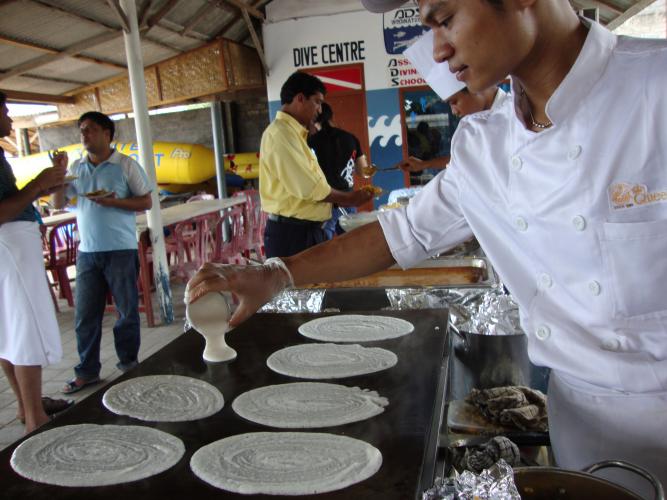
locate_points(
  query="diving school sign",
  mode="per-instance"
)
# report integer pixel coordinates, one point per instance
(401, 28)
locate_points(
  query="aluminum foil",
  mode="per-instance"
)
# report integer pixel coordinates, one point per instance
(486, 311)
(495, 314)
(296, 301)
(401, 299)
(496, 482)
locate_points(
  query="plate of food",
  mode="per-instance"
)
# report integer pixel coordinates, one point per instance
(100, 193)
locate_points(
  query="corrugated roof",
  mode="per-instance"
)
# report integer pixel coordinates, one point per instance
(35, 33)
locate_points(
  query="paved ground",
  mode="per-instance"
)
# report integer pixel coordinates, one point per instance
(54, 376)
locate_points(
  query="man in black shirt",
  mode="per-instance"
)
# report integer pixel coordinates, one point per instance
(339, 155)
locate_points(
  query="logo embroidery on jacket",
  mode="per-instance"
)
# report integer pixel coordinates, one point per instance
(626, 195)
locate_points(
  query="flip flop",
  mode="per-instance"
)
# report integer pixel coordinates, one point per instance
(71, 386)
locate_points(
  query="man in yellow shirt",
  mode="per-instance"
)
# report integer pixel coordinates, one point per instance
(292, 186)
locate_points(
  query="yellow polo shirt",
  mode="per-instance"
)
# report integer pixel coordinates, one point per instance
(291, 182)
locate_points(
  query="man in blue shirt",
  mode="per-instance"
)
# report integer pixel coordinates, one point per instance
(109, 188)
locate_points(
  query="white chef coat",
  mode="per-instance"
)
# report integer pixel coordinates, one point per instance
(574, 218)
(499, 99)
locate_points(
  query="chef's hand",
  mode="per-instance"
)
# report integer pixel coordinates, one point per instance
(412, 164)
(253, 286)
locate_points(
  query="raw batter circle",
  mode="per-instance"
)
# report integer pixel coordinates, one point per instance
(285, 463)
(325, 361)
(164, 398)
(307, 405)
(96, 455)
(355, 328)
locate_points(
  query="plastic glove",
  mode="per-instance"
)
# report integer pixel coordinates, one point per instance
(253, 286)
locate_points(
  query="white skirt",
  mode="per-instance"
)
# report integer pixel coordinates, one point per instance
(29, 333)
(590, 424)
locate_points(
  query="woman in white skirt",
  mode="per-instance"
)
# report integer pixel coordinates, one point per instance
(29, 335)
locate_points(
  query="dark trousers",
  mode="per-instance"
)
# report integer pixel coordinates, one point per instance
(97, 272)
(284, 239)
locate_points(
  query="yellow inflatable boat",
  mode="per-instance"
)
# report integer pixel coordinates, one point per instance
(175, 163)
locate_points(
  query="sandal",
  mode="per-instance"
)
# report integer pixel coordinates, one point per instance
(52, 406)
(71, 386)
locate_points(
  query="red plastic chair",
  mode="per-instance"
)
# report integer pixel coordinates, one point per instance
(63, 244)
(230, 250)
(254, 221)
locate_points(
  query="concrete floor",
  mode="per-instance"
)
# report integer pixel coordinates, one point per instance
(55, 376)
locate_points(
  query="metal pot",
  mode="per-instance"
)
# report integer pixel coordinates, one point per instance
(548, 483)
(494, 360)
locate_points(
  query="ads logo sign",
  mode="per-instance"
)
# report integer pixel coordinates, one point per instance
(401, 28)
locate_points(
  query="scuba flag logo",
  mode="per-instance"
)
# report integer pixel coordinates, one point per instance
(401, 28)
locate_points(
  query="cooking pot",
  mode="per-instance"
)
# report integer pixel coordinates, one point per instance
(494, 360)
(549, 483)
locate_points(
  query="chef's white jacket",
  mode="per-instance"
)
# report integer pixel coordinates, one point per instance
(574, 218)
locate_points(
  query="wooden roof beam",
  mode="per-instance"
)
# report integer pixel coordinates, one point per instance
(70, 51)
(142, 14)
(236, 18)
(164, 10)
(33, 46)
(33, 97)
(49, 4)
(604, 4)
(255, 39)
(635, 9)
(114, 5)
(197, 18)
(244, 7)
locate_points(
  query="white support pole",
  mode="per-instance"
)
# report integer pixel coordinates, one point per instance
(135, 66)
(219, 147)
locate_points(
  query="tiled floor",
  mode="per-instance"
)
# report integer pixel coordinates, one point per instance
(54, 376)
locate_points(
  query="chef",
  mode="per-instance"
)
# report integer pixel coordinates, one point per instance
(565, 188)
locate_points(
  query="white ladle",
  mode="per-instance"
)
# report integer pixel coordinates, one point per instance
(210, 317)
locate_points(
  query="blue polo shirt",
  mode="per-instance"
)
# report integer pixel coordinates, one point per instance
(103, 229)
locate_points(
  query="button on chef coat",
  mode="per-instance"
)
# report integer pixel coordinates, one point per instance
(601, 163)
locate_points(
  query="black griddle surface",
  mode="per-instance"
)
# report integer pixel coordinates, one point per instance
(400, 433)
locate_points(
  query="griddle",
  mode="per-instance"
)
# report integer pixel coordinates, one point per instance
(406, 433)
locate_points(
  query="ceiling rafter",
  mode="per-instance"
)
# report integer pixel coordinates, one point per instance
(114, 5)
(51, 5)
(636, 8)
(142, 14)
(42, 48)
(236, 18)
(609, 6)
(197, 17)
(17, 96)
(255, 39)
(246, 7)
(54, 79)
(163, 11)
(70, 51)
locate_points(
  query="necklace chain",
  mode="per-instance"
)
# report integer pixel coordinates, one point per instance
(534, 122)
